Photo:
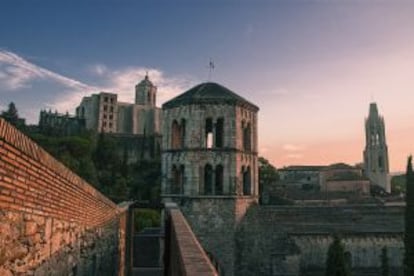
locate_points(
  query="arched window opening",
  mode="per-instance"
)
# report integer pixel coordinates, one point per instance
(209, 133)
(380, 162)
(182, 179)
(182, 127)
(219, 180)
(175, 181)
(219, 132)
(149, 97)
(246, 135)
(208, 179)
(247, 190)
(175, 135)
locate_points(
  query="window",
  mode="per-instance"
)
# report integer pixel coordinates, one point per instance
(105, 108)
(110, 116)
(219, 180)
(246, 134)
(177, 179)
(175, 135)
(111, 109)
(209, 133)
(106, 99)
(112, 100)
(208, 179)
(182, 132)
(247, 190)
(219, 132)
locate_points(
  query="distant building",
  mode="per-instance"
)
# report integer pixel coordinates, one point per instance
(342, 177)
(301, 176)
(338, 177)
(58, 124)
(376, 150)
(104, 113)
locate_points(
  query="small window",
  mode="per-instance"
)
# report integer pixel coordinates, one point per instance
(219, 132)
(105, 108)
(110, 116)
(208, 179)
(112, 109)
(110, 125)
(106, 99)
(209, 133)
(112, 100)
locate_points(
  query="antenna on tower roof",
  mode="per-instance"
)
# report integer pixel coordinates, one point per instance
(210, 68)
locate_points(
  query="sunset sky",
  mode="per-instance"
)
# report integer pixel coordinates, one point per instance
(312, 67)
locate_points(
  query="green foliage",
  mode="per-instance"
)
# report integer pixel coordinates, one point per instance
(409, 220)
(385, 270)
(398, 184)
(100, 160)
(11, 115)
(336, 263)
(146, 218)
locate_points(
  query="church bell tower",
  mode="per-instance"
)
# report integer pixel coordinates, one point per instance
(376, 150)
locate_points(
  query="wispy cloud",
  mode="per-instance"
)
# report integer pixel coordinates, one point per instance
(18, 73)
(294, 156)
(292, 147)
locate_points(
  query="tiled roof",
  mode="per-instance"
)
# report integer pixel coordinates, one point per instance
(209, 93)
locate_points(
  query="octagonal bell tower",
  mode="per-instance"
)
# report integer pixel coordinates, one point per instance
(209, 144)
(209, 163)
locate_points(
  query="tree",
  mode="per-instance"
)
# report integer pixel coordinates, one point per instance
(12, 116)
(409, 220)
(335, 263)
(385, 270)
(267, 176)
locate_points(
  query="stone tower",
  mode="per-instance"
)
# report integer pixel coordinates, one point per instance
(376, 151)
(145, 93)
(209, 164)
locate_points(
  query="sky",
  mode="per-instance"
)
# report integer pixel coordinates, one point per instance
(312, 66)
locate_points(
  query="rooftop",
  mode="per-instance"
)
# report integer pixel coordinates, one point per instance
(209, 93)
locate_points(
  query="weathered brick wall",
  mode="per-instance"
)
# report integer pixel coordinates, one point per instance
(185, 254)
(51, 221)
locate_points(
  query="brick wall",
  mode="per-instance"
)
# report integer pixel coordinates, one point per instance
(52, 221)
(185, 255)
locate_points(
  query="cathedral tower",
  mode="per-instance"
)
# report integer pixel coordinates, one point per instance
(145, 93)
(376, 151)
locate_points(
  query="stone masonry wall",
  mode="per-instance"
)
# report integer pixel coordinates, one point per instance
(51, 221)
(273, 240)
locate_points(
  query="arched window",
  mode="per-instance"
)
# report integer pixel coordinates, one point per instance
(219, 132)
(247, 189)
(246, 135)
(208, 179)
(182, 128)
(182, 179)
(218, 188)
(178, 179)
(175, 180)
(380, 162)
(209, 133)
(175, 135)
